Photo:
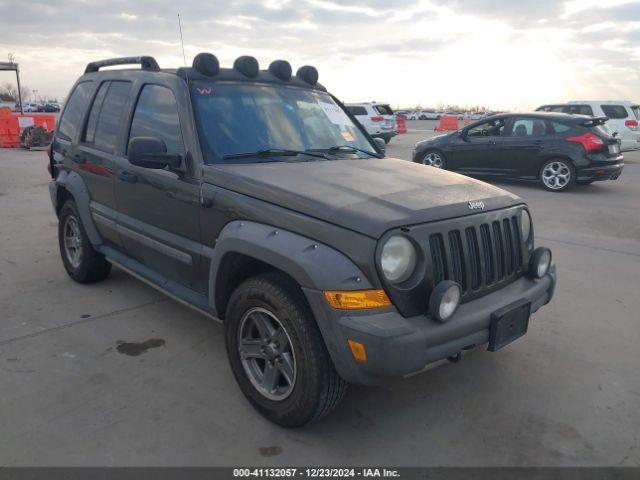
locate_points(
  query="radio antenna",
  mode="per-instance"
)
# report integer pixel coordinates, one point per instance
(184, 57)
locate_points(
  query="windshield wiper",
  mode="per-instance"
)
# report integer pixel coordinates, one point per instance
(272, 152)
(345, 149)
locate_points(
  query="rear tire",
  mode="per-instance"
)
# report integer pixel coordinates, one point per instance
(557, 175)
(307, 386)
(81, 261)
(386, 140)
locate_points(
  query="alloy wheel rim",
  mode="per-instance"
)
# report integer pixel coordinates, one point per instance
(433, 159)
(266, 353)
(556, 175)
(72, 241)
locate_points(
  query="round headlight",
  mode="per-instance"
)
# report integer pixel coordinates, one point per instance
(540, 262)
(398, 259)
(444, 300)
(525, 225)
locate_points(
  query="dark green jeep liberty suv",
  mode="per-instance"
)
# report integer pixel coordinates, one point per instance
(256, 198)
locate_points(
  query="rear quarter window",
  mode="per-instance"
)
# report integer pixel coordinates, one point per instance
(383, 109)
(578, 110)
(614, 111)
(558, 127)
(74, 111)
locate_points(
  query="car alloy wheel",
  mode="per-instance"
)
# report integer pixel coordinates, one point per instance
(267, 354)
(433, 159)
(72, 241)
(556, 175)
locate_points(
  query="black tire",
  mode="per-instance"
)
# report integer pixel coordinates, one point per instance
(434, 163)
(89, 266)
(317, 388)
(560, 183)
(386, 140)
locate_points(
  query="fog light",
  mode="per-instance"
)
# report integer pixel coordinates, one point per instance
(444, 300)
(540, 262)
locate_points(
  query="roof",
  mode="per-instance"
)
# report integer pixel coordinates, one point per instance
(206, 68)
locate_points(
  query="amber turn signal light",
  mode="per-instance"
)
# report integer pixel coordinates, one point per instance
(357, 299)
(358, 351)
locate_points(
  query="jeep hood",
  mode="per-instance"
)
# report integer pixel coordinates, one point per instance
(369, 196)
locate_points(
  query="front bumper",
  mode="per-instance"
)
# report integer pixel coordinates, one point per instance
(397, 346)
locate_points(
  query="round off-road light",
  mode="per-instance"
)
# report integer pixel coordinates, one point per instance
(525, 225)
(444, 300)
(398, 259)
(540, 262)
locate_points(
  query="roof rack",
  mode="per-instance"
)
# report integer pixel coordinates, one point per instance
(145, 62)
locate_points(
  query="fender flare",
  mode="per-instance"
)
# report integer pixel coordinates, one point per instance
(74, 184)
(311, 264)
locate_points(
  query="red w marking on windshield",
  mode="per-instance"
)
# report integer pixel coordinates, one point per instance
(204, 91)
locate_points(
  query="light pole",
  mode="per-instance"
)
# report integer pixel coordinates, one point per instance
(14, 67)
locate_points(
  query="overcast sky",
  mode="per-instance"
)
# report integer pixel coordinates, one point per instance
(503, 53)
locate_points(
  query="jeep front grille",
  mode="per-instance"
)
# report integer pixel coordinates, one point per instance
(477, 257)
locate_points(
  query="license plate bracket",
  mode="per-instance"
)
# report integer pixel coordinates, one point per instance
(508, 324)
(614, 149)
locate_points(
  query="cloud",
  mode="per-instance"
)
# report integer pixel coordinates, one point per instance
(509, 54)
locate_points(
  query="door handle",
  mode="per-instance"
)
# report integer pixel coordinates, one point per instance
(77, 158)
(128, 177)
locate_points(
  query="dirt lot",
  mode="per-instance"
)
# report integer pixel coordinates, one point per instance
(568, 393)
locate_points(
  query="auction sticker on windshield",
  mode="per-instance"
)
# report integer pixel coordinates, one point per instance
(335, 114)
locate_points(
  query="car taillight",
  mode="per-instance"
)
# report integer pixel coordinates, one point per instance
(377, 119)
(590, 142)
(631, 124)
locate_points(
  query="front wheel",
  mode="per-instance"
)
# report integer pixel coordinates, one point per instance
(557, 175)
(277, 354)
(433, 159)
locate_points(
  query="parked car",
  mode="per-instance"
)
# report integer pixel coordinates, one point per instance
(413, 115)
(31, 107)
(377, 118)
(254, 197)
(402, 113)
(557, 150)
(429, 115)
(623, 117)
(51, 107)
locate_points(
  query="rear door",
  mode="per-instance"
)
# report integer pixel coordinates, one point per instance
(522, 147)
(361, 115)
(158, 209)
(96, 152)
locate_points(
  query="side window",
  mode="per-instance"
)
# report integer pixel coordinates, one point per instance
(558, 127)
(107, 114)
(156, 115)
(528, 127)
(357, 110)
(492, 128)
(578, 110)
(74, 111)
(614, 111)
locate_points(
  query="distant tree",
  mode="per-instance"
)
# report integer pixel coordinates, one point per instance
(9, 93)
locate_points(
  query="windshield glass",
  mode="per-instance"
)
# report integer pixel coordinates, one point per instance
(236, 118)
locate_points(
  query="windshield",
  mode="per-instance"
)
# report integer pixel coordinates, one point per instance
(236, 118)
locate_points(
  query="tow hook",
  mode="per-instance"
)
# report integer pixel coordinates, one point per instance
(455, 358)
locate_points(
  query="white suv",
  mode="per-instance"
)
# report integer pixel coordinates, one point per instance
(623, 117)
(377, 118)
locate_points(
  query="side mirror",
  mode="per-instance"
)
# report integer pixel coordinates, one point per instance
(151, 152)
(380, 144)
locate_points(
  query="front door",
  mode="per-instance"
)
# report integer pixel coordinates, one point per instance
(476, 145)
(159, 209)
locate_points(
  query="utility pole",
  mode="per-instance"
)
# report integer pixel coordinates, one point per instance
(12, 66)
